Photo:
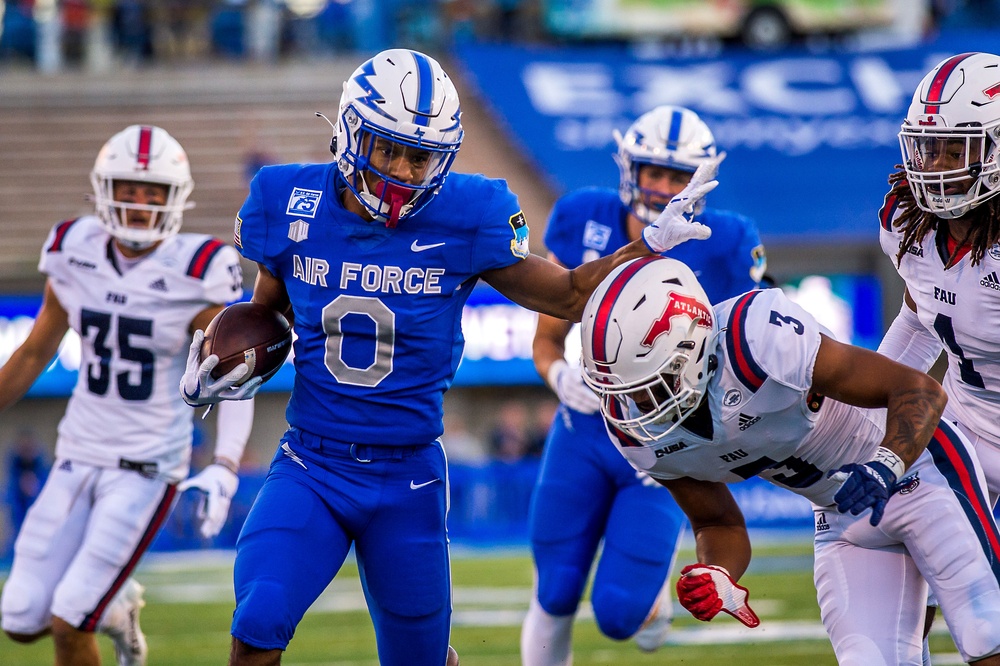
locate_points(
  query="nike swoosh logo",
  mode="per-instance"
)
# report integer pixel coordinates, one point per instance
(414, 485)
(417, 247)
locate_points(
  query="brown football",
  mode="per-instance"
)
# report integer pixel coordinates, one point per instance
(248, 333)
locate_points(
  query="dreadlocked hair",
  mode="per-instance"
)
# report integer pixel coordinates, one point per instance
(914, 224)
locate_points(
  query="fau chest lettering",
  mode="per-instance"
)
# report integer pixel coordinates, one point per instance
(391, 279)
(733, 456)
(944, 296)
(117, 299)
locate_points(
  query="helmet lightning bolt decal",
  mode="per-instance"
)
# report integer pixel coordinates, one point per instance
(373, 99)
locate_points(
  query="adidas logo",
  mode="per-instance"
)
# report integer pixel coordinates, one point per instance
(747, 421)
(991, 281)
(821, 524)
(158, 285)
(66, 466)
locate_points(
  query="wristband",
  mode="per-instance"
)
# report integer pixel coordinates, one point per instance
(552, 376)
(890, 460)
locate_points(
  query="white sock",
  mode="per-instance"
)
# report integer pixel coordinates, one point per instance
(546, 640)
(927, 652)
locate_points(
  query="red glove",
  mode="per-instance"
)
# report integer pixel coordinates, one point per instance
(705, 589)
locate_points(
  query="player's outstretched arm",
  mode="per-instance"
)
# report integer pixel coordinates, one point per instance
(34, 354)
(722, 546)
(546, 287)
(913, 401)
(720, 533)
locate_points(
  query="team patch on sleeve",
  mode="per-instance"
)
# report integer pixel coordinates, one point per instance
(745, 367)
(203, 257)
(60, 235)
(303, 202)
(519, 245)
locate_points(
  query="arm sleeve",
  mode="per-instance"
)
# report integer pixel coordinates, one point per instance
(233, 424)
(908, 342)
(224, 279)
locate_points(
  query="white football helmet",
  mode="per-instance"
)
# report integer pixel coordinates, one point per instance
(647, 334)
(950, 136)
(147, 154)
(404, 97)
(668, 136)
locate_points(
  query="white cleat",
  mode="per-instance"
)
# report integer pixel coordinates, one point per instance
(121, 623)
(653, 632)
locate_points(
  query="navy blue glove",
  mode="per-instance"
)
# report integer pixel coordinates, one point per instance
(867, 485)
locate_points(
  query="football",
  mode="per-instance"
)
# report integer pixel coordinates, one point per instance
(248, 333)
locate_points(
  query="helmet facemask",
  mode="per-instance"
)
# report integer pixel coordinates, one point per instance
(656, 405)
(374, 162)
(950, 170)
(164, 220)
(399, 114)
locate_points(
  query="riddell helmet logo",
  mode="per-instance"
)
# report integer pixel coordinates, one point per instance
(678, 305)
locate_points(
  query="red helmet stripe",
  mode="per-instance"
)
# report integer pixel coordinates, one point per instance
(937, 84)
(145, 144)
(603, 318)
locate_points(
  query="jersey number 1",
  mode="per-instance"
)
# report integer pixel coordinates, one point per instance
(942, 324)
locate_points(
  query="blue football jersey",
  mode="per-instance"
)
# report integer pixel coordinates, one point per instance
(378, 311)
(590, 223)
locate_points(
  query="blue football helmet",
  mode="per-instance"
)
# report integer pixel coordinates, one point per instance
(399, 107)
(668, 136)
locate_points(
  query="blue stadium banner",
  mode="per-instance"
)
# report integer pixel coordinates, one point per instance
(811, 137)
(497, 351)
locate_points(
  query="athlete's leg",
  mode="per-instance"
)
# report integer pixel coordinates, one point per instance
(289, 550)
(640, 544)
(870, 599)
(128, 510)
(49, 539)
(403, 554)
(569, 511)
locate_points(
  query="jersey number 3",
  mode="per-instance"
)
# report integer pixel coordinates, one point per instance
(99, 374)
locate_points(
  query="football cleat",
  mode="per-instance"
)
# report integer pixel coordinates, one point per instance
(121, 623)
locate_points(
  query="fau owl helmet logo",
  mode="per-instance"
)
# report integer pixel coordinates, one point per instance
(678, 305)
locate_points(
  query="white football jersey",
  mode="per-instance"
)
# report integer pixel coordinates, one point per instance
(960, 306)
(126, 410)
(765, 421)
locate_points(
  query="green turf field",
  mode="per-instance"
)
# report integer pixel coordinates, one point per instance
(186, 619)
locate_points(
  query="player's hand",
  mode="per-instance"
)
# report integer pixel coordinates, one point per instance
(675, 224)
(197, 386)
(218, 485)
(705, 589)
(567, 383)
(867, 485)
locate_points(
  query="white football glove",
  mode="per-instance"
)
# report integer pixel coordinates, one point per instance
(567, 383)
(197, 386)
(706, 589)
(219, 484)
(674, 225)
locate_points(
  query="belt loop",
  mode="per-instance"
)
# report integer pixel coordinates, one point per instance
(354, 454)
